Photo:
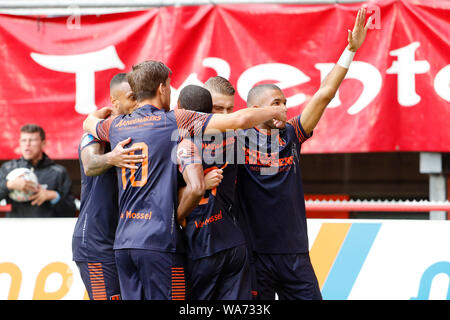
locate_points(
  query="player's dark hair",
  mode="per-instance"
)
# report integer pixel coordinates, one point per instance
(145, 78)
(256, 91)
(32, 128)
(118, 79)
(220, 85)
(195, 98)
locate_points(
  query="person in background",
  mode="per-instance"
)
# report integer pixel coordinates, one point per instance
(41, 188)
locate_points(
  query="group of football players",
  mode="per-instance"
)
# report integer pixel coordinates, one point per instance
(199, 202)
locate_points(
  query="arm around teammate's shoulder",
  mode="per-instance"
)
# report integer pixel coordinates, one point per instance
(90, 123)
(245, 118)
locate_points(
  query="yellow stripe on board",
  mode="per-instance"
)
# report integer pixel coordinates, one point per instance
(326, 247)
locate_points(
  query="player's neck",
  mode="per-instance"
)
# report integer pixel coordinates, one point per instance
(266, 129)
(153, 102)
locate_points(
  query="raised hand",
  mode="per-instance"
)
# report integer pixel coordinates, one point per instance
(358, 34)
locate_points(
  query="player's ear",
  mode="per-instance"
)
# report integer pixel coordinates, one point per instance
(43, 144)
(161, 88)
(113, 100)
(130, 95)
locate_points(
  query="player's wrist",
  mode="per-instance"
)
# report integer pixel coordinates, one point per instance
(346, 58)
(273, 112)
(351, 48)
(279, 113)
(109, 158)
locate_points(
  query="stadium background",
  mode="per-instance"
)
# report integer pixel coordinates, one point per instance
(405, 175)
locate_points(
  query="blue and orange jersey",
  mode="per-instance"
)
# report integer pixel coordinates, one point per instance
(95, 228)
(269, 189)
(148, 195)
(212, 226)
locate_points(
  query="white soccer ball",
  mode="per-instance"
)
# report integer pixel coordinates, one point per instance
(27, 174)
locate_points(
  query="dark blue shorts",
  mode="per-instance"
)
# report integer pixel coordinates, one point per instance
(100, 279)
(291, 276)
(150, 275)
(222, 276)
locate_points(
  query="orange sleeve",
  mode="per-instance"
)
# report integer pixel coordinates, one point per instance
(299, 131)
(103, 128)
(191, 123)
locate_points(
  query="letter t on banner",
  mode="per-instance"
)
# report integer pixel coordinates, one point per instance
(406, 67)
(84, 66)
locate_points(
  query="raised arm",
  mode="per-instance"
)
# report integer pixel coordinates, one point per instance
(316, 106)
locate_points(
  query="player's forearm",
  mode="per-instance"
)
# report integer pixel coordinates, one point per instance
(251, 117)
(328, 88)
(332, 81)
(97, 165)
(242, 119)
(315, 108)
(90, 125)
(189, 198)
(94, 160)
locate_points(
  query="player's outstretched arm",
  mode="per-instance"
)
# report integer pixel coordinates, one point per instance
(316, 106)
(245, 118)
(96, 162)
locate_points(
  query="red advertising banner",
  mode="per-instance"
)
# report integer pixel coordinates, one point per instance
(395, 97)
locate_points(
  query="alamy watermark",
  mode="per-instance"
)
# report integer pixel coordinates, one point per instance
(257, 148)
(73, 22)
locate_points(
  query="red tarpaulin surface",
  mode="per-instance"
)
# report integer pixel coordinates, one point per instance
(395, 98)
